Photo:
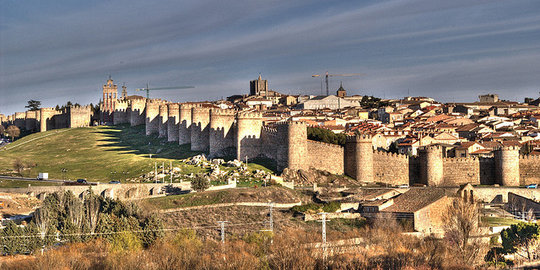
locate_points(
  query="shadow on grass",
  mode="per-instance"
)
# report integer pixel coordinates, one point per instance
(133, 140)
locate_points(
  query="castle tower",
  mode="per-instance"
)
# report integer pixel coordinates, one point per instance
(110, 91)
(297, 145)
(152, 117)
(137, 112)
(258, 87)
(184, 125)
(507, 166)
(200, 120)
(162, 120)
(359, 157)
(172, 122)
(221, 131)
(431, 166)
(46, 120)
(248, 133)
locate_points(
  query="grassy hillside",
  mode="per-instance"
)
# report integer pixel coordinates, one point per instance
(97, 153)
(103, 153)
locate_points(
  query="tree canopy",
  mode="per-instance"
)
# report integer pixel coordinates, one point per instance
(33, 105)
(521, 239)
(325, 135)
(13, 132)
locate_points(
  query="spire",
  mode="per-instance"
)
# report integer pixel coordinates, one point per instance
(260, 76)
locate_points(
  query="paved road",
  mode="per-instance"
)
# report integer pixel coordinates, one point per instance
(45, 180)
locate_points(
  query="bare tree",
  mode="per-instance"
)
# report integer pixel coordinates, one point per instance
(19, 165)
(460, 224)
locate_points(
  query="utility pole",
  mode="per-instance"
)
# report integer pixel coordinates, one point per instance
(222, 224)
(323, 223)
(155, 172)
(271, 216)
(171, 170)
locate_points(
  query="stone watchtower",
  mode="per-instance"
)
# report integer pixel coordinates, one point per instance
(507, 166)
(297, 145)
(248, 133)
(108, 104)
(431, 165)
(359, 157)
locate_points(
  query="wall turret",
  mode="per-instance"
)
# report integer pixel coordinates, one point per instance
(200, 120)
(137, 112)
(248, 133)
(184, 124)
(431, 166)
(297, 145)
(221, 131)
(173, 111)
(359, 157)
(162, 120)
(507, 166)
(152, 117)
(46, 121)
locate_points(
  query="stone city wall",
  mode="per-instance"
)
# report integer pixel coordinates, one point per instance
(325, 156)
(395, 174)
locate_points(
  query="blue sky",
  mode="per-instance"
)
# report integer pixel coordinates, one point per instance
(55, 51)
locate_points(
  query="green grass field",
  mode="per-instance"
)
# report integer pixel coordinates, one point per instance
(103, 153)
(498, 221)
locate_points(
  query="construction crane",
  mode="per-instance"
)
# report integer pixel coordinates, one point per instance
(148, 89)
(326, 75)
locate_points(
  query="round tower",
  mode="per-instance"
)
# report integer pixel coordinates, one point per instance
(431, 172)
(507, 166)
(297, 145)
(162, 120)
(172, 123)
(359, 157)
(221, 123)
(152, 117)
(200, 120)
(248, 133)
(184, 124)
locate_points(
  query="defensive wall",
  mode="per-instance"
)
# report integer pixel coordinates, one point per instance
(152, 116)
(49, 118)
(220, 132)
(137, 112)
(121, 112)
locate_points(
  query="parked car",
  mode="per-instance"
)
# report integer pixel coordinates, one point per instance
(404, 186)
(82, 181)
(114, 182)
(532, 186)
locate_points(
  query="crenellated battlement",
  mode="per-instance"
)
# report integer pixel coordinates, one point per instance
(249, 114)
(173, 106)
(364, 138)
(508, 148)
(269, 130)
(223, 112)
(460, 159)
(391, 155)
(189, 105)
(529, 157)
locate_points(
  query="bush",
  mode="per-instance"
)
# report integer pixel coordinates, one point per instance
(315, 207)
(200, 184)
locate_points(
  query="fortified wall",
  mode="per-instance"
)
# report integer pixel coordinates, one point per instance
(225, 133)
(49, 118)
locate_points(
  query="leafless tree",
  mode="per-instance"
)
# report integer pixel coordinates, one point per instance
(461, 224)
